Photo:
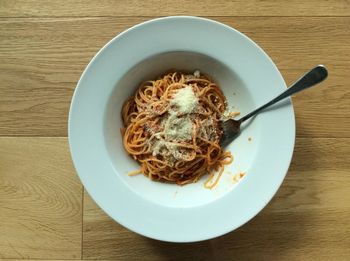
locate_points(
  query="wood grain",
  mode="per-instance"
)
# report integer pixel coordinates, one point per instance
(41, 59)
(322, 111)
(307, 220)
(40, 8)
(44, 213)
(40, 200)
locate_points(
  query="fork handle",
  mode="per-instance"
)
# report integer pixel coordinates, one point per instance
(314, 76)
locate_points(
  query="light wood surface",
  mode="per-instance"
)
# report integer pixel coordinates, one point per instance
(41, 60)
(40, 199)
(42, 8)
(307, 220)
(45, 213)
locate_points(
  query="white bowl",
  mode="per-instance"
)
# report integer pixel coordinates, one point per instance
(170, 212)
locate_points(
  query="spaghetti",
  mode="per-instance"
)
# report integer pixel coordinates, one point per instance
(172, 129)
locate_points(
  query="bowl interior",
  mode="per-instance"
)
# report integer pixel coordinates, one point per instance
(238, 97)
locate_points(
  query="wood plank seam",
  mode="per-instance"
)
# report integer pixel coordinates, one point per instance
(154, 17)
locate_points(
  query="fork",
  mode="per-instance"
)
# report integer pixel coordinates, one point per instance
(231, 128)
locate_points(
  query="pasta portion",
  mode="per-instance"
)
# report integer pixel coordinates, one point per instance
(172, 129)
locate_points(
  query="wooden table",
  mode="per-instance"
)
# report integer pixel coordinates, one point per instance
(44, 211)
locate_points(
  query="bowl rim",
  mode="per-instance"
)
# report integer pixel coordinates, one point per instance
(106, 207)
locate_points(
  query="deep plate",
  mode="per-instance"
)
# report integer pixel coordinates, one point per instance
(169, 212)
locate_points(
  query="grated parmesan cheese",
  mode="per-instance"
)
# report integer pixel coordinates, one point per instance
(162, 147)
(197, 73)
(185, 100)
(179, 129)
(177, 125)
(230, 114)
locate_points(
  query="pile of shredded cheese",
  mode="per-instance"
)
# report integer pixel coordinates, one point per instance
(177, 125)
(185, 100)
